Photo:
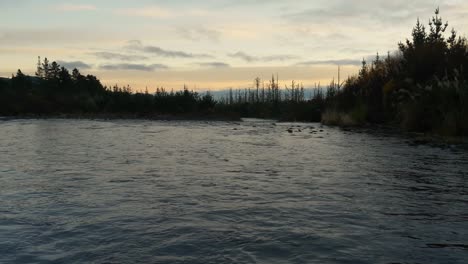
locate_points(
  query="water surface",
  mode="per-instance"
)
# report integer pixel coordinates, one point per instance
(76, 191)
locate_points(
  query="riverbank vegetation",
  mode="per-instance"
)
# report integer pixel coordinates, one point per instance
(269, 100)
(54, 91)
(423, 87)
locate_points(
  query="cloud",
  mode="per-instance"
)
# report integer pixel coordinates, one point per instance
(355, 50)
(71, 7)
(278, 58)
(138, 46)
(75, 64)
(214, 65)
(197, 34)
(331, 62)
(159, 12)
(133, 67)
(149, 11)
(249, 58)
(53, 37)
(117, 56)
(373, 13)
(243, 56)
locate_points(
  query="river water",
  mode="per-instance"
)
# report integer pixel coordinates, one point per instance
(76, 191)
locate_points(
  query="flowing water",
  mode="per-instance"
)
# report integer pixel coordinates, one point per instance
(76, 191)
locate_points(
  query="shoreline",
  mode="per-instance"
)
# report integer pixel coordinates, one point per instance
(107, 116)
(416, 138)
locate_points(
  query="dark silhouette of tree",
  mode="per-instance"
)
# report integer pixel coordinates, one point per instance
(54, 71)
(424, 87)
(76, 75)
(55, 91)
(40, 70)
(45, 69)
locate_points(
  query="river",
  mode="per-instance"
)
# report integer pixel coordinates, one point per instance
(81, 191)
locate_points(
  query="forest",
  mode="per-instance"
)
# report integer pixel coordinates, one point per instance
(421, 87)
(54, 91)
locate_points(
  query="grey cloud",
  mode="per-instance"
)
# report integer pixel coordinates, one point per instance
(250, 58)
(362, 12)
(117, 56)
(198, 34)
(331, 62)
(215, 65)
(35, 36)
(137, 45)
(134, 42)
(248, 3)
(133, 67)
(75, 64)
(278, 58)
(243, 55)
(356, 50)
(14, 4)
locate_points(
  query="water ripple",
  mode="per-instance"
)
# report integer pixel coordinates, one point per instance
(75, 191)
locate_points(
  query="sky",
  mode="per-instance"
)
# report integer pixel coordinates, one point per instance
(210, 44)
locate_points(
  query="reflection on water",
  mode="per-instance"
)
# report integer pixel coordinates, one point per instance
(197, 192)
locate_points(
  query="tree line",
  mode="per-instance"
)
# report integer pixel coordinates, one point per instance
(271, 100)
(423, 87)
(56, 91)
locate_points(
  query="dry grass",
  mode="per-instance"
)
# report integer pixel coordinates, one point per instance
(335, 118)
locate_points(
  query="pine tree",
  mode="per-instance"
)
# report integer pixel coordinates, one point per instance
(76, 75)
(257, 85)
(64, 76)
(46, 69)
(54, 72)
(20, 74)
(39, 70)
(437, 28)
(419, 34)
